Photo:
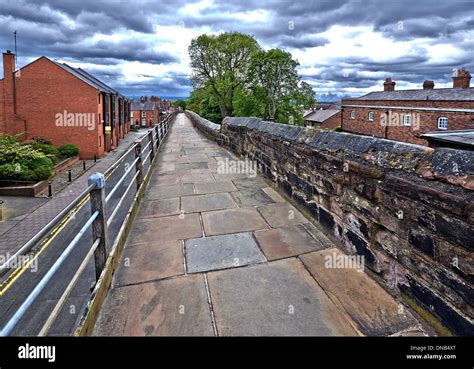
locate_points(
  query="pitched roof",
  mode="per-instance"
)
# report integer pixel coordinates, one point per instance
(321, 115)
(147, 105)
(440, 94)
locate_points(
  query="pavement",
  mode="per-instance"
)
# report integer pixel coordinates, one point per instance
(224, 254)
(18, 232)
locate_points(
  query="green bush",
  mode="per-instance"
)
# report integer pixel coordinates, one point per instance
(337, 129)
(50, 151)
(23, 162)
(68, 150)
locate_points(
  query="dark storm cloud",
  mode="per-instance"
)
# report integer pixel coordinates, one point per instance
(65, 29)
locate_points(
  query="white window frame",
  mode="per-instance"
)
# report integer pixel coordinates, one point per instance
(444, 119)
(407, 122)
(143, 114)
(371, 116)
(353, 114)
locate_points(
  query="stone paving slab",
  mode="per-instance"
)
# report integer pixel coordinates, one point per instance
(159, 208)
(221, 252)
(167, 192)
(197, 178)
(281, 214)
(248, 198)
(199, 203)
(275, 196)
(148, 262)
(214, 187)
(284, 242)
(249, 183)
(275, 299)
(232, 221)
(171, 307)
(165, 180)
(368, 304)
(156, 230)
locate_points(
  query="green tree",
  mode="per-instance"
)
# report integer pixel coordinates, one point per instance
(221, 63)
(273, 73)
(180, 103)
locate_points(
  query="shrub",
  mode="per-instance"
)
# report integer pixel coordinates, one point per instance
(68, 150)
(338, 129)
(23, 162)
(50, 151)
(8, 171)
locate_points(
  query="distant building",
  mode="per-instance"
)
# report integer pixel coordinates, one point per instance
(147, 112)
(407, 115)
(324, 116)
(62, 104)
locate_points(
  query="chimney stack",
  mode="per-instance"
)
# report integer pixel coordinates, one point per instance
(388, 85)
(461, 78)
(428, 85)
(9, 90)
(143, 99)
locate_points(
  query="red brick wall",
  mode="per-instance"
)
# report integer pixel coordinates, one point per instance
(43, 90)
(332, 122)
(428, 120)
(150, 115)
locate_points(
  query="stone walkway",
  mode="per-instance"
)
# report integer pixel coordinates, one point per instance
(25, 229)
(212, 253)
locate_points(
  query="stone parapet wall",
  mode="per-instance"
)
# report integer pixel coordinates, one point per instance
(408, 209)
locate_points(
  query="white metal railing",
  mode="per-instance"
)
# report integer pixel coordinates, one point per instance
(97, 220)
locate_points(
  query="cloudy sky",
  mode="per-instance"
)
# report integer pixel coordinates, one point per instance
(345, 48)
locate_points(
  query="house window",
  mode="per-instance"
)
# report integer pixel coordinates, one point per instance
(353, 114)
(371, 116)
(442, 123)
(407, 120)
(100, 141)
(143, 114)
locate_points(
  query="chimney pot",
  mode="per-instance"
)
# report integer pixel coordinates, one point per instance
(389, 85)
(428, 85)
(461, 78)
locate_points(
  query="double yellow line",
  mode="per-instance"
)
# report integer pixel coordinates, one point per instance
(8, 282)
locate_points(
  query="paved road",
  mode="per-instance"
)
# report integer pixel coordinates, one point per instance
(15, 286)
(215, 252)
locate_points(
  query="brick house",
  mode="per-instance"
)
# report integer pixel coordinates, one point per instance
(62, 104)
(406, 115)
(145, 113)
(324, 116)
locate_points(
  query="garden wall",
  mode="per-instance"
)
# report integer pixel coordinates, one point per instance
(408, 209)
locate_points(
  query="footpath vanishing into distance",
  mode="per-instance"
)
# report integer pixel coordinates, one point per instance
(217, 254)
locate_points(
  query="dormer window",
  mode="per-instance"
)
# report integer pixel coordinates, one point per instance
(353, 114)
(442, 123)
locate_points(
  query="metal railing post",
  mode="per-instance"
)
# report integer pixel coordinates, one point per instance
(152, 145)
(157, 136)
(138, 165)
(161, 129)
(99, 226)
